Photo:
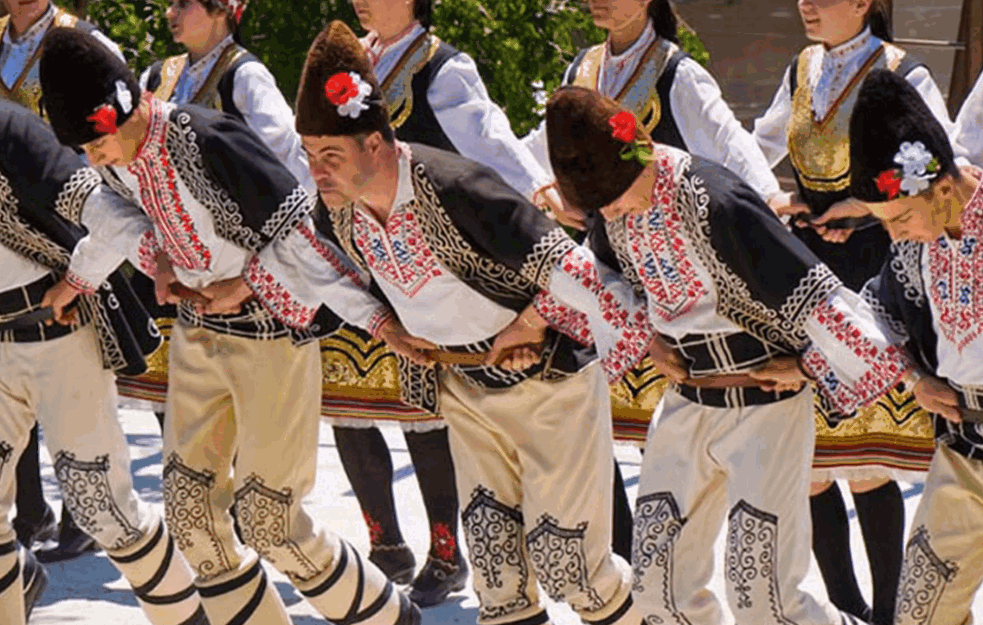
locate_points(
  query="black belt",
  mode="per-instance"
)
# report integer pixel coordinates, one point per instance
(28, 320)
(25, 323)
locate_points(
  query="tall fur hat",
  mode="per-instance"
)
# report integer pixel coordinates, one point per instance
(897, 146)
(339, 94)
(86, 90)
(588, 135)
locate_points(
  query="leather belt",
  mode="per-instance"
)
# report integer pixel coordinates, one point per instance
(28, 320)
(460, 359)
(733, 380)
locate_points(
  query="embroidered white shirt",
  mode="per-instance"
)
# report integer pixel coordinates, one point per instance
(476, 126)
(705, 121)
(15, 54)
(261, 103)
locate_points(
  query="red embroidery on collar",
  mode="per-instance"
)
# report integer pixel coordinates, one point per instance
(398, 253)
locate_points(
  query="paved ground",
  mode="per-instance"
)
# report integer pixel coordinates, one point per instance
(89, 591)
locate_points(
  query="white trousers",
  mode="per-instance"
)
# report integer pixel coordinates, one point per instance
(943, 565)
(748, 467)
(61, 383)
(535, 469)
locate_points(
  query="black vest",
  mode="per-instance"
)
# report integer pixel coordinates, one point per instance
(422, 125)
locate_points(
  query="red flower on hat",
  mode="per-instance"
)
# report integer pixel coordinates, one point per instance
(889, 182)
(105, 119)
(340, 88)
(623, 127)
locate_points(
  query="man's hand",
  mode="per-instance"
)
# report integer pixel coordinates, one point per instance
(226, 296)
(565, 214)
(937, 397)
(787, 204)
(779, 374)
(58, 298)
(519, 358)
(845, 209)
(163, 280)
(667, 361)
(528, 329)
(404, 343)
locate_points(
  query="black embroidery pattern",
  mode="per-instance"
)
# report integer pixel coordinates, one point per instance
(560, 562)
(752, 554)
(89, 496)
(924, 576)
(494, 535)
(6, 451)
(657, 524)
(71, 199)
(188, 514)
(264, 519)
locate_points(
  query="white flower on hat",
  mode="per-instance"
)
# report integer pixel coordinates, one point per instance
(124, 97)
(919, 167)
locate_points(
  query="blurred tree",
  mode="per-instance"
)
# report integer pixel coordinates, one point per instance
(521, 47)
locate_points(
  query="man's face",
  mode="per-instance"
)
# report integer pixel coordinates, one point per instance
(382, 14)
(612, 14)
(189, 21)
(107, 150)
(910, 218)
(341, 168)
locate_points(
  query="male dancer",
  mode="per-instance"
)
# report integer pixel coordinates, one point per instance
(22, 30)
(743, 320)
(63, 375)
(931, 292)
(204, 196)
(457, 253)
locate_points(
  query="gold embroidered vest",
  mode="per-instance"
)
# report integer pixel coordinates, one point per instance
(27, 88)
(820, 149)
(208, 94)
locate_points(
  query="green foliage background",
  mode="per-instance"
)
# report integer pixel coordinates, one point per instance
(515, 43)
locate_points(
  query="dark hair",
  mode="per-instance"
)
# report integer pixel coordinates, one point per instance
(387, 132)
(423, 12)
(664, 19)
(879, 20)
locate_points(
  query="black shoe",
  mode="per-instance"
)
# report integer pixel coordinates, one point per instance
(396, 561)
(44, 531)
(438, 579)
(72, 543)
(35, 582)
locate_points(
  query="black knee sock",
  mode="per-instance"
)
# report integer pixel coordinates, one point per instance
(431, 454)
(831, 545)
(881, 515)
(159, 414)
(622, 524)
(31, 506)
(365, 457)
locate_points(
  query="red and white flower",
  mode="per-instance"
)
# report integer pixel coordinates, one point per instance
(104, 119)
(347, 91)
(918, 168)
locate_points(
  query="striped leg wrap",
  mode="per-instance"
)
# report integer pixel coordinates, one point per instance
(360, 585)
(11, 591)
(248, 598)
(162, 581)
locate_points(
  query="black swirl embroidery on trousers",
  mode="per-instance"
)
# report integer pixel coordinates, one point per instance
(494, 532)
(752, 560)
(6, 451)
(924, 577)
(87, 492)
(560, 562)
(657, 525)
(264, 519)
(188, 514)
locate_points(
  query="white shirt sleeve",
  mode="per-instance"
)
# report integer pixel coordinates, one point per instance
(118, 231)
(967, 140)
(853, 358)
(267, 113)
(295, 275)
(771, 129)
(538, 146)
(479, 129)
(709, 128)
(921, 79)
